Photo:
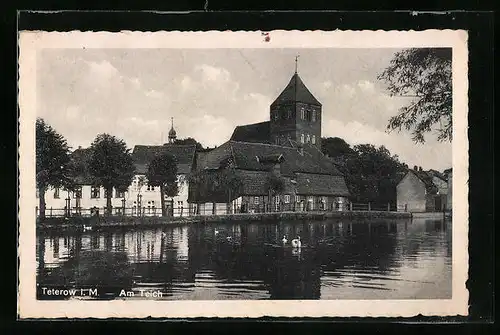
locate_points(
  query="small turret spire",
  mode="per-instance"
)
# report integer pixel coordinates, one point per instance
(296, 63)
(172, 135)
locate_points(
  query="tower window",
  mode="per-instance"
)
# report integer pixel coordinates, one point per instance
(313, 140)
(302, 138)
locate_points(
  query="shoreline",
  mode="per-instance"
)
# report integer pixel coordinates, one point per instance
(77, 223)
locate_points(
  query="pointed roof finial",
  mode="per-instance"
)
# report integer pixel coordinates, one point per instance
(296, 63)
(172, 122)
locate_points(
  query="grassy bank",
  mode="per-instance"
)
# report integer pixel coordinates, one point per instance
(77, 223)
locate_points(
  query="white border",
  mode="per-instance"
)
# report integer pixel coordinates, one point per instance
(31, 42)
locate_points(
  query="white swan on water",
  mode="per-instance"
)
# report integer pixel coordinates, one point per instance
(284, 240)
(296, 242)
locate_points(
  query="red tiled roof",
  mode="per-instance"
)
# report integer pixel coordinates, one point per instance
(256, 132)
(183, 154)
(317, 184)
(244, 156)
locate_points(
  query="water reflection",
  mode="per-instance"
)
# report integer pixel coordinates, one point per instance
(338, 260)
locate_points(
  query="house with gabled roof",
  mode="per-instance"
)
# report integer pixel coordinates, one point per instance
(287, 146)
(422, 191)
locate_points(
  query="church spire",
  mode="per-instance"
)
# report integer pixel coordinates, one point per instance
(172, 135)
(296, 63)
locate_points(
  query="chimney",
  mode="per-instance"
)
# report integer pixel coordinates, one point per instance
(420, 169)
(80, 147)
(415, 168)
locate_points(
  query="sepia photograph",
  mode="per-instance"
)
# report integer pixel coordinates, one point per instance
(258, 173)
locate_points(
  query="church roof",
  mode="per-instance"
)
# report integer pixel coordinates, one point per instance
(296, 91)
(183, 154)
(245, 156)
(256, 132)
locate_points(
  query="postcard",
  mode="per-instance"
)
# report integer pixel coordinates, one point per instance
(243, 174)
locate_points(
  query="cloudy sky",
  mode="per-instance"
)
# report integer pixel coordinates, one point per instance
(133, 93)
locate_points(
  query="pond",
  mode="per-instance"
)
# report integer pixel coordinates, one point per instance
(407, 259)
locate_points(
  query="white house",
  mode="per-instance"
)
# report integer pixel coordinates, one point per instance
(140, 198)
(141, 194)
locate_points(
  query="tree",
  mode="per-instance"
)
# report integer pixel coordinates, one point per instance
(190, 140)
(372, 174)
(230, 184)
(162, 172)
(275, 185)
(423, 74)
(110, 165)
(335, 147)
(52, 161)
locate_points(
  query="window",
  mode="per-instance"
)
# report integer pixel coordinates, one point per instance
(302, 138)
(180, 203)
(287, 198)
(275, 115)
(256, 200)
(77, 193)
(308, 139)
(313, 115)
(277, 199)
(56, 193)
(95, 192)
(302, 114)
(297, 198)
(277, 140)
(289, 114)
(119, 194)
(37, 193)
(313, 139)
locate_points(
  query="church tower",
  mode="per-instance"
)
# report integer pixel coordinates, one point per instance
(296, 115)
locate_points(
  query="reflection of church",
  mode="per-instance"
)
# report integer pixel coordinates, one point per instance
(287, 146)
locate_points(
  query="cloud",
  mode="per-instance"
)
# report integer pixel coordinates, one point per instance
(366, 86)
(134, 94)
(102, 69)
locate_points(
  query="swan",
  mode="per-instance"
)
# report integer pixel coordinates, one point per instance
(296, 242)
(284, 240)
